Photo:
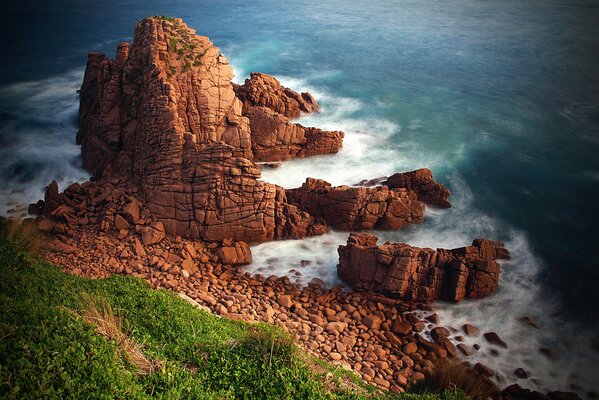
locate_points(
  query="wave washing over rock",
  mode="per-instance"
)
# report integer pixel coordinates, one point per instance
(173, 144)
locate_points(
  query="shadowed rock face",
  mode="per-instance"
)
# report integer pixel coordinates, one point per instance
(163, 114)
(357, 208)
(421, 274)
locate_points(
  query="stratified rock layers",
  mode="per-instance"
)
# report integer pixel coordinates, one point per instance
(421, 274)
(163, 114)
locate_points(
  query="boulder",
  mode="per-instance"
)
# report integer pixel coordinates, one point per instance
(238, 253)
(152, 234)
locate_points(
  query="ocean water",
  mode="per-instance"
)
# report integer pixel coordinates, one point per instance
(500, 99)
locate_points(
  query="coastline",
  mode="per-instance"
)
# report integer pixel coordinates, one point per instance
(412, 231)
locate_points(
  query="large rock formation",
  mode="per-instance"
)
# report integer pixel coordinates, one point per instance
(421, 274)
(358, 208)
(268, 105)
(163, 114)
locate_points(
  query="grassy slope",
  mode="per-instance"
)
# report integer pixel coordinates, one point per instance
(48, 352)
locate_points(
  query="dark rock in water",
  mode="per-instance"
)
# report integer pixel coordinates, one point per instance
(484, 370)
(493, 337)
(463, 349)
(548, 352)
(420, 274)
(520, 373)
(531, 322)
(434, 318)
(439, 333)
(470, 330)
(517, 392)
(557, 395)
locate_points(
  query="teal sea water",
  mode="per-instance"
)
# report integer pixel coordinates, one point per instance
(499, 98)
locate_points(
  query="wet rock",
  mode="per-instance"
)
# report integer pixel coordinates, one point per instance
(520, 373)
(484, 370)
(493, 337)
(420, 274)
(471, 330)
(548, 352)
(439, 333)
(357, 208)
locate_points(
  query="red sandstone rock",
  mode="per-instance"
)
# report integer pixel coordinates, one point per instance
(414, 273)
(357, 208)
(152, 234)
(262, 90)
(421, 181)
(274, 138)
(163, 115)
(237, 254)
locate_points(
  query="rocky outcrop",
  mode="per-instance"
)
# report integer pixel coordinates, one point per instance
(419, 181)
(275, 138)
(163, 115)
(220, 196)
(357, 208)
(262, 90)
(421, 274)
(422, 183)
(269, 106)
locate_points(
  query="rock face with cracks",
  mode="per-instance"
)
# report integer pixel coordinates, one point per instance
(269, 106)
(421, 274)
(358, 208)
(164, 115)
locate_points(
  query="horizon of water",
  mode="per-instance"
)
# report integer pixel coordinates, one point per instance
(499, 99)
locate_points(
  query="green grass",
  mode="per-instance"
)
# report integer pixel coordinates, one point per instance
(48, 351)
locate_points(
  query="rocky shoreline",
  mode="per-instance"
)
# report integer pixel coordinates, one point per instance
(177, 199)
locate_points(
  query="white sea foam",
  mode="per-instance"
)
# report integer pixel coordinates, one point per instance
(38, 138)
